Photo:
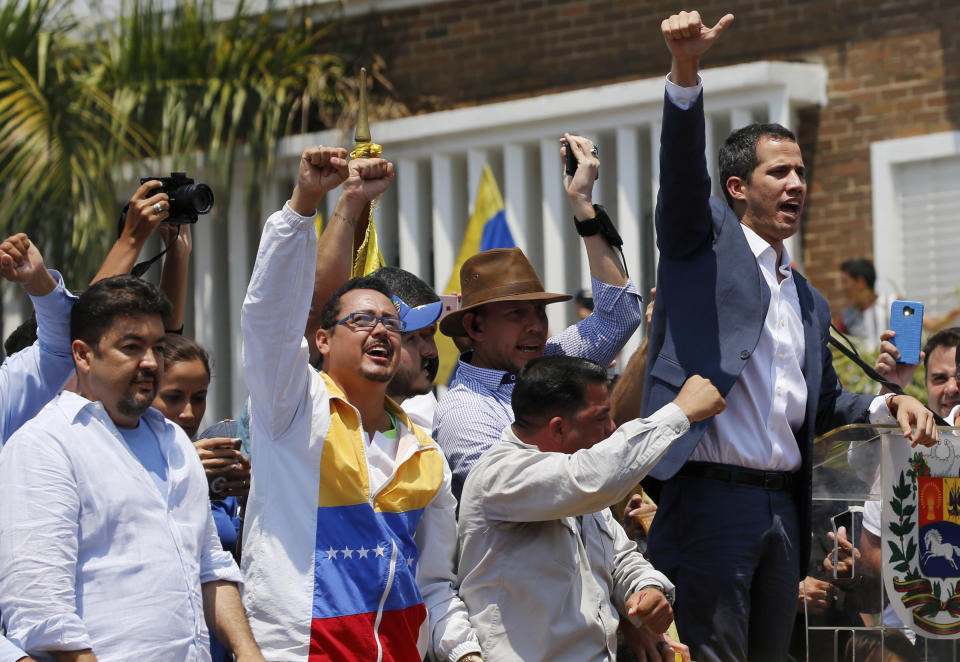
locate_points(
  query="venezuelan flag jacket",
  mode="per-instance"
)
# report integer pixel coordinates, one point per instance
(332, 569)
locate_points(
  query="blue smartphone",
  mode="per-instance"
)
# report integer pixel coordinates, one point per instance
(906, 318)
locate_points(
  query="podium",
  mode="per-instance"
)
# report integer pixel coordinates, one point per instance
(897, 593)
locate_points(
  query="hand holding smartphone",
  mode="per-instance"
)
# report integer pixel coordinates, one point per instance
(906, 318)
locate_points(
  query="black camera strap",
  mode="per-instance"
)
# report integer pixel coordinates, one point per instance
(851, 353)
(143, 267)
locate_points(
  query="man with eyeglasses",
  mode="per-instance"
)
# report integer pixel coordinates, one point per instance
(350, 528)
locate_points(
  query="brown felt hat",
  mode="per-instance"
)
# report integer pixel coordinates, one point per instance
(501, 274)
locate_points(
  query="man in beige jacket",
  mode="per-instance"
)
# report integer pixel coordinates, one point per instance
(545, 571)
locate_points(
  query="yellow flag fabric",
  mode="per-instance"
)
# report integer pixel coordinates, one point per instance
(487, 229)
(368, 257)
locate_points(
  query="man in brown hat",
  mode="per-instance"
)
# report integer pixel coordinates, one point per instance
(503, 314)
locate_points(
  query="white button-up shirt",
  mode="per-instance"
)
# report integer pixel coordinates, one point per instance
(768, 402)
(92, 555)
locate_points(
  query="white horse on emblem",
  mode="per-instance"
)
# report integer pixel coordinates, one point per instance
(935, 546)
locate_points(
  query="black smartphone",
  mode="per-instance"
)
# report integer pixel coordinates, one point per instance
(571, 160)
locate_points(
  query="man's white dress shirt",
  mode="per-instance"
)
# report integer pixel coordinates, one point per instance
(92, 554)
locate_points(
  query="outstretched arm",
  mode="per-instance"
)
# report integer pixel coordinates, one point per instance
(173, 277)
(30, 378)
(538, 486)
(275, 308)
(683, 217)
(367, 179)
(605, 265)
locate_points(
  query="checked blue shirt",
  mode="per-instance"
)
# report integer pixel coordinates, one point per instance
(471, 416)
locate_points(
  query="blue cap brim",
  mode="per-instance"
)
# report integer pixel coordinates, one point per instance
(419, 317)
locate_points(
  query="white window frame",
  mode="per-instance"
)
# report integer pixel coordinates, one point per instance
(885, 155)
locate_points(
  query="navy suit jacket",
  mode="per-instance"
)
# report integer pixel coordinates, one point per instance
(712, 301)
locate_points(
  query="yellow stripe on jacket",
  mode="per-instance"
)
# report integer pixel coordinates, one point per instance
(343, 474)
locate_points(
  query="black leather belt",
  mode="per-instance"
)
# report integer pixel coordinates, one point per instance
(774, 481)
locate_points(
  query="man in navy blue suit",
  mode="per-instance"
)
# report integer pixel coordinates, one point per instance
(732, 530)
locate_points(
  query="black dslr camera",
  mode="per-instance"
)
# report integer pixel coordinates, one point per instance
(187, 199)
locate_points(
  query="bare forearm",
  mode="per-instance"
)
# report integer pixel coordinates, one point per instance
(173, 283)
(121, 258)
(605, 263)
(223, 611)
(41, 284)
(683, 71)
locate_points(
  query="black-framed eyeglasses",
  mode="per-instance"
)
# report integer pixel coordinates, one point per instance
(363, 320)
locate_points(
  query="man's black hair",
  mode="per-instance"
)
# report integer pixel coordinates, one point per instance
(860, 267)
(331, 309)
(100, 303)
(553, 386)
(949, 337)
(412, 290)
(21, 337)
(738, 155)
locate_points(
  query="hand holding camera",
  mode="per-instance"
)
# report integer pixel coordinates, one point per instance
(148, 207)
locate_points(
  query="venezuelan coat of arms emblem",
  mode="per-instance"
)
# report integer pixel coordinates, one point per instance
(921, 534)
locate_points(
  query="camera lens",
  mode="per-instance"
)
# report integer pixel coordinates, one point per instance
(198, 197)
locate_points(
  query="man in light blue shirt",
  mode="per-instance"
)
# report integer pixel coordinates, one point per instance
(31, 377)
(503, 314)
(107, 548)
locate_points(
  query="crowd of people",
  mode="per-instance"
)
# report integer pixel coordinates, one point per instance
(346, 514)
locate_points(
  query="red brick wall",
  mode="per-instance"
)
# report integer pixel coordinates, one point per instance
(893, 72)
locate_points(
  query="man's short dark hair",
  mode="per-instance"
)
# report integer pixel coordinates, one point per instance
(21, 337)
(412, 290)
(949, 337)
(551, 386)
(100, 303)
(860, 267)
(331, 309)
(738, 154)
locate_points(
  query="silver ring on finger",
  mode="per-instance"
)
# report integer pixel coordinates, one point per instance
(596, 152)
(157, 208)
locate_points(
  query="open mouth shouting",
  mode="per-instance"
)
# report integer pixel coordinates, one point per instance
(790, 209)
(380, 350)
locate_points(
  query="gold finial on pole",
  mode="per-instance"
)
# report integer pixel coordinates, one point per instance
(362, 134)
(363, 145)
(367, 257)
